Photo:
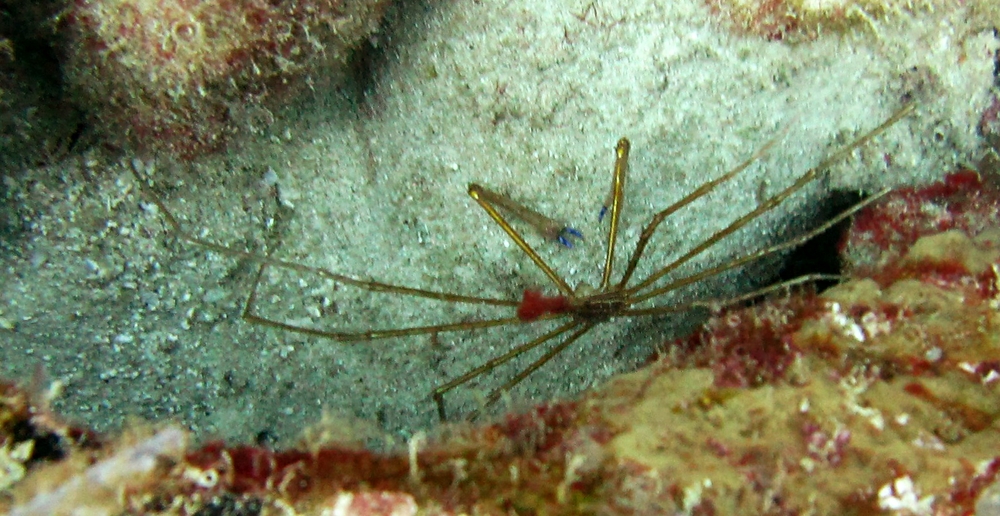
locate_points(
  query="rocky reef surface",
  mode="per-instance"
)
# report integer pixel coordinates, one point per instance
(874, 396)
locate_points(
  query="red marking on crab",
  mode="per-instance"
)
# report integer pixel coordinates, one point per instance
(534, 305)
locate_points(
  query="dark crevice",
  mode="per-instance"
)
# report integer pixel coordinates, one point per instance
(820, 254)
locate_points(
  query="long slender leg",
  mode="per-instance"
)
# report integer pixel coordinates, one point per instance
(495, 395)
(760, 253)
(617, 199)
(549, 228)
(698, 193)
(371, 286)
(438, 393)
(729, 301)
(486, 198)
(366, 335)
(773, 202)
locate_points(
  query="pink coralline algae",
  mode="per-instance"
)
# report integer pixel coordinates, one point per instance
(875, 396)
(962, 202)
(184, 76)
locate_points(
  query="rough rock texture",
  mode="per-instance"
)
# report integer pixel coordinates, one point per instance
(794, 20)
(525, 97)
(184, 76)
(37, 124)
(876, 396)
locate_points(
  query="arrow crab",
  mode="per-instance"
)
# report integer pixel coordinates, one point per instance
(574, 311)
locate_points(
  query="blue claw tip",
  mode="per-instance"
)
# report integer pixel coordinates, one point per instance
(600, 216)
(562, 238)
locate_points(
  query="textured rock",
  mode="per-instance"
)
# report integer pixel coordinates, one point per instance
(807, 19)
(184, 76)
(876, 395)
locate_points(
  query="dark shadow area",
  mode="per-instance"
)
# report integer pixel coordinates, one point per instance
(370, 58)
(38, 123)
(820, 254)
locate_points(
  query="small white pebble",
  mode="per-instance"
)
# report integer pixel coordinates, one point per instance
(38, 259)
(214, 295)
(150, 299)
(967, 367)
(92, 266)
(270, 177)
(902, 495)
(149, 208)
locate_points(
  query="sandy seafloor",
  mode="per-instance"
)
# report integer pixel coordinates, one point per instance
(527, 97)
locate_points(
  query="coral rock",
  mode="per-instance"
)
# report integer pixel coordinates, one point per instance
(877, 395)
(183, 76)
(806, 19)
